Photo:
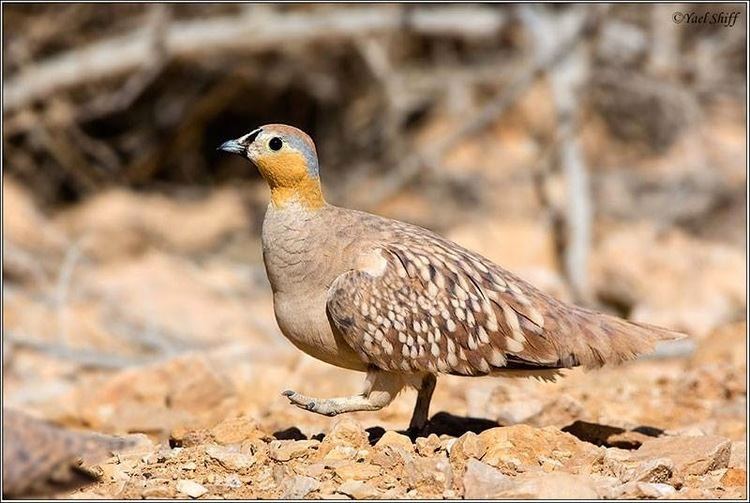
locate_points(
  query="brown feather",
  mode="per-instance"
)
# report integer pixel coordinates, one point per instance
(438, 307)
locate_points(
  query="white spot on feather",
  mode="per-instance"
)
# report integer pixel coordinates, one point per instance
(452, 360)
(513, 345)
(373, 263)
(483, 366)
(497, 358)
(387, 347)
(442, 367)
(483, 337)
(435, 350)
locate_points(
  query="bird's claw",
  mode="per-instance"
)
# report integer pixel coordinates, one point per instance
(309, 404)
(300, 401)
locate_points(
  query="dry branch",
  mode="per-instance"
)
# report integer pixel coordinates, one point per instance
(80, 356)
(254, 30)
(566, 79)
(417, 163)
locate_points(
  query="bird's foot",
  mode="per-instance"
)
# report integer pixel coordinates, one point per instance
(418, 430)
(317, 405)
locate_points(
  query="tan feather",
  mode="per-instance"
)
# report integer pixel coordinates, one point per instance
(455, 311)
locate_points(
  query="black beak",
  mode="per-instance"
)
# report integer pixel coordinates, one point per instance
(234, 147)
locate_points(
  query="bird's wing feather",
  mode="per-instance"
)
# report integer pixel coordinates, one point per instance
(431, 305)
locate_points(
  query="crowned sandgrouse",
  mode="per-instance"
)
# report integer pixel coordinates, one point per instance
(401, 303)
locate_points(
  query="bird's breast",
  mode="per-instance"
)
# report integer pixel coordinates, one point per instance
(302, 258)
(298, 252)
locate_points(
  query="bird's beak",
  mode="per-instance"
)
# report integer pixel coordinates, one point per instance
(234, 147)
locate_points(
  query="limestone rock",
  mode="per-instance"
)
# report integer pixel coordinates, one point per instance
(519, 448)
(191, 488)
(430, 477)
(182, 436)
(562, 410)
(230, 459)
(654, 471)
(392, 457)
(358, 489)
(482, 481)
(184, 391)
(395, 439)
(690, 455)
(284, 450)
(737, 459)
(518, 411)
(236, 430)
(557, 485)
(298, 486)
(357, 471)
(466, 447)
(428, 446)
(161, 491)
(642, 490)
(339, 452)
(345, 432)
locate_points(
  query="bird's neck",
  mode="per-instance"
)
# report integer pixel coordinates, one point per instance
(306, 191)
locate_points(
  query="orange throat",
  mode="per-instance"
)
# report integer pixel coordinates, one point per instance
(307, 191)
(289, 180)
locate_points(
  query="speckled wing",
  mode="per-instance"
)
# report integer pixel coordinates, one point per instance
(423, 303)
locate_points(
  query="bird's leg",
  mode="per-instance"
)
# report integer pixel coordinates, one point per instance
(422, 407)
(380, 389)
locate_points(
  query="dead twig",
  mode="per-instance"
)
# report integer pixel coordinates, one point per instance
(69, 158)
(137, 83)
(81, 356)
(566, 79)
(249, 32)
(62, 288)
(418, 163)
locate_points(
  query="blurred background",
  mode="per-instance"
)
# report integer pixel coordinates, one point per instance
(597, 151)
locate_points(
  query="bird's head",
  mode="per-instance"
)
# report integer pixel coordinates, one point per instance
(287, 160)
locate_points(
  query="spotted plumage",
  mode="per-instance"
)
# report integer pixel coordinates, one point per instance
(402, 303)
(437, 307)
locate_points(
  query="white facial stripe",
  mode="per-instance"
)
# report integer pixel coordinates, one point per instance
(248, 135)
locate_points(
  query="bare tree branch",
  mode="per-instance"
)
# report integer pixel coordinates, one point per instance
(254, 30)
(419, 162)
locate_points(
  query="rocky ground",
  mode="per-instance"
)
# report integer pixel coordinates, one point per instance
(149, 314)
(667, 429)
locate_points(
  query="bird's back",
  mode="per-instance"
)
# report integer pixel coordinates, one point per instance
(439, 307)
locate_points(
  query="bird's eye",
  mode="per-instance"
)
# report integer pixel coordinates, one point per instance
(275, 143)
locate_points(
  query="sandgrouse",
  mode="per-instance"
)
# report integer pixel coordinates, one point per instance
(403, 304)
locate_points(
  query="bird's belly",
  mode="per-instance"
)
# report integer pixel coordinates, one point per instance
(302, 319)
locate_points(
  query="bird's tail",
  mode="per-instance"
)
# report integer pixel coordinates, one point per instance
(608, 339)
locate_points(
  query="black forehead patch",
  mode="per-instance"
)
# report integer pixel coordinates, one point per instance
(252, 136)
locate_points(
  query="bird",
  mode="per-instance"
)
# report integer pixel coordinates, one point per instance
(43, 459)
(403, 304)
